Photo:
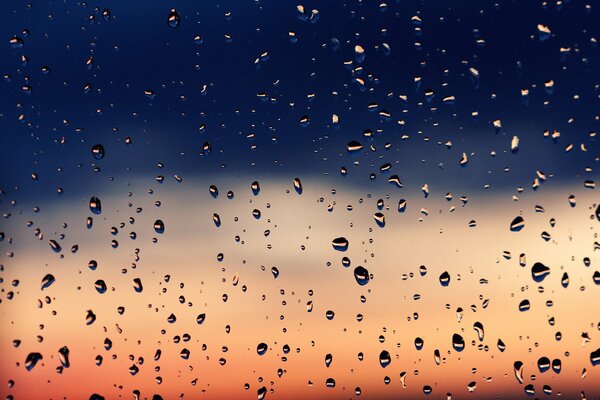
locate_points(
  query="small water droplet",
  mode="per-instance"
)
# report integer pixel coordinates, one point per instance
(173, 19)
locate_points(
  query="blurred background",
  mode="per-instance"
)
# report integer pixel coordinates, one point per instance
(340, 199)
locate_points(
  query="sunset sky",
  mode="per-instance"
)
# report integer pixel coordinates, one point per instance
(450, 119)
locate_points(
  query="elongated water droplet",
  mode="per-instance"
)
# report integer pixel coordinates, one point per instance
(47, 281)
(255, 186)
(518, 370)
(54, 246)
(63, 356)
(517, 224)
(458, 343)
(173, 19)
(95, 205)
(298, 185)
(445, 278)
(478, 326)
(384, 358)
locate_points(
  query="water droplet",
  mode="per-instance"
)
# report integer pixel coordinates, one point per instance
(478, 326)
(100, 286)
(98, 151)
(384, 359)
(54, 246)
(379, 219)
(255, 188)
(595, 357)
(361, 275)
(543, 364)
(159, 227)
(539, 272)
(90, 317)
(340, 244)
(298, 185)
(95, 205)
(517, 224)
(261, 349)
(173, 19)
(47, 281)
(458, 343)
(63, 356)
(31, 360)
(445, 278)
(501, 346)
(419, 343)
(524, 306)
(518, 370)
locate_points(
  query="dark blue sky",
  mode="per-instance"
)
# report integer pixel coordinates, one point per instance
(136, 50)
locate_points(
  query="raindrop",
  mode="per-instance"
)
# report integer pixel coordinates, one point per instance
(458, 343)
(55, 246)
(518, 370)
(47, 281)
(95, 205)
(261, 349)
(173, 19)
(445, 278)
(384, 359)
(98, 151)
(31, 360)
(517, 224)
(361, 275)
(159, 226)
(340, 244)
(539, 272)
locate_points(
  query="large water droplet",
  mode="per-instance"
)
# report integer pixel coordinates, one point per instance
(539, 272)
(384, 358)
(340, 244)
(517, 224)
(261, 349)
(361, 275)
(458, 343)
